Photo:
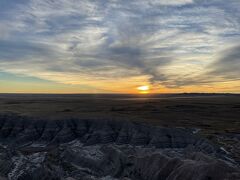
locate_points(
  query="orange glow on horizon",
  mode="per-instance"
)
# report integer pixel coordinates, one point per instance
(143, 89)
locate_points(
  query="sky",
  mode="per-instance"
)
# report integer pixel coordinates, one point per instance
(115, 46)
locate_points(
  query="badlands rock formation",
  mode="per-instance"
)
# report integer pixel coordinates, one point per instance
(107, 150)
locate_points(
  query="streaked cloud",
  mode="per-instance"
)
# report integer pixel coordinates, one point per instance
(228, 64)
(174, 43)
(171, 2)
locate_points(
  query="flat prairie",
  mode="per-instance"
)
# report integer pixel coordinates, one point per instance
(213, 113)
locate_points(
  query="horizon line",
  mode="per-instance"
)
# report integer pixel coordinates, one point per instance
(217, 93)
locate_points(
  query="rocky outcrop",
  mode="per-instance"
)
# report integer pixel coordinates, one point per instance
(99, 149)
(18, 131)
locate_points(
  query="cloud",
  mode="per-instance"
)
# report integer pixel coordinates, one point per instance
(171, 2)
(15, 51)
(228, 64)
(162, 42)
(224, 69)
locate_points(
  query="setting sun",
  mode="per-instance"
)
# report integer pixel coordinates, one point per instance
(143, 89)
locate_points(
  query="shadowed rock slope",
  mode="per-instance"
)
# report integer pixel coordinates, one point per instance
(98, 149)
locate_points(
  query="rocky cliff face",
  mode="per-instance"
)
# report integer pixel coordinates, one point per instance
(98, 149)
